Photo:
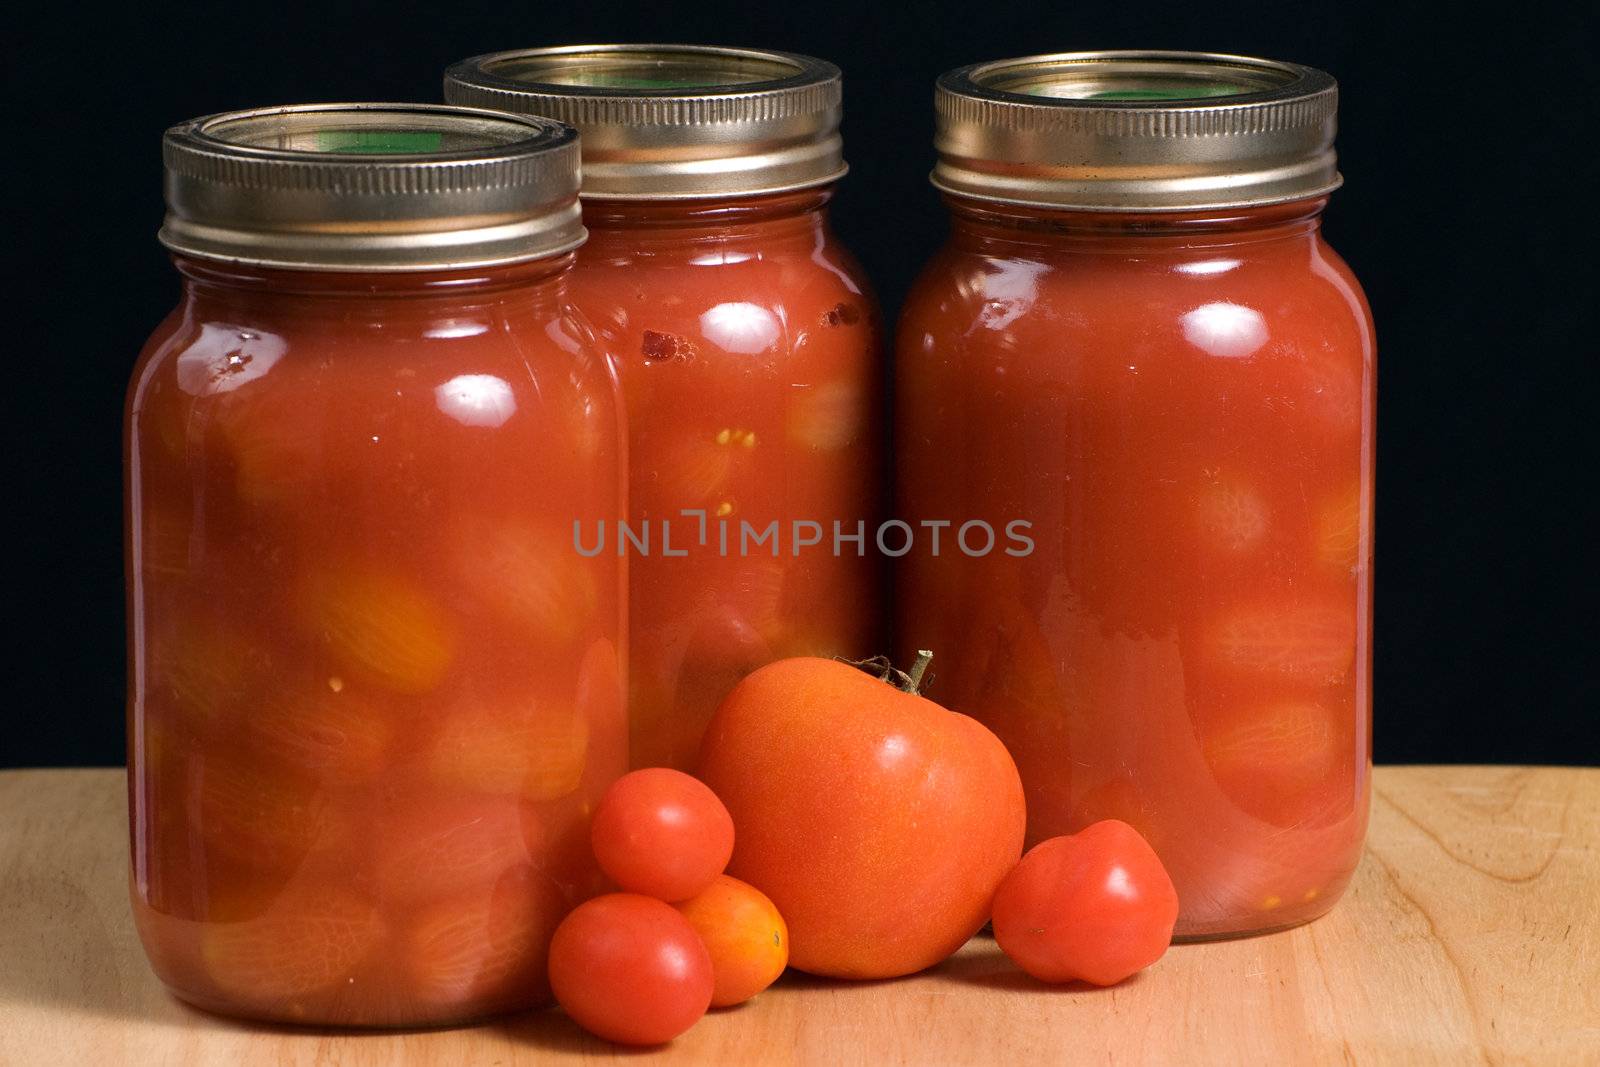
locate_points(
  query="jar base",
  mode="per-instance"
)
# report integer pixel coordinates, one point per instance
(289, 1020)
(1182, 936)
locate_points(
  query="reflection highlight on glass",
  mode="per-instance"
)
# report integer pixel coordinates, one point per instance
(476, 399)
(226, 357)
(740, 327)
(1229, 331)
(1206, 267)
(449, 328)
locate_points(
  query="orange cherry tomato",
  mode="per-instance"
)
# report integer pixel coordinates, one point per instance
(661, 833)
(877, 821)
(1096, 906)
(748, 942)
(630, 969)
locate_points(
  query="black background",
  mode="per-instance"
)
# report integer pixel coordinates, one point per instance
(1467, 213)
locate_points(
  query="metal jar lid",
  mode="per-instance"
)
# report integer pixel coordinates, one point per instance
(1136, 131)
(371, 187)
(662, 121)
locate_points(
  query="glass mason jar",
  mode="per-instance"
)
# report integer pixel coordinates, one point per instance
(374, 690)
(748, 347)
(1137, 343)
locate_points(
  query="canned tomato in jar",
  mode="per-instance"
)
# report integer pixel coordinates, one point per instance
(1137, 341)
(748, 347)
(374, 690)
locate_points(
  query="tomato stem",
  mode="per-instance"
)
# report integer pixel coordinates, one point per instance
(886, 672)
(919, 667)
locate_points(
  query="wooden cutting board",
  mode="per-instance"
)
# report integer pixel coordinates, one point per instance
(1471, 934)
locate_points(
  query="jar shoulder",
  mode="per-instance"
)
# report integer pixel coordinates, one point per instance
(156, 357)
(240, 382)
(212, 349)
(727, 301)
(735, 259)
(1293, 294)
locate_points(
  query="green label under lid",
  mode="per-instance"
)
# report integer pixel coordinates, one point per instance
(641, 70)
(379, 142)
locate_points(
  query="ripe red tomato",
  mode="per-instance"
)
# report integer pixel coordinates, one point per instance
(661, 833)
(877, 821)
(1096, 906)
(630, 969)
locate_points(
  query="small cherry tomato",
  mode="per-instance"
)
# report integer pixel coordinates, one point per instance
(1096, 906)
(745, 935)
(630, 969)
(661, 833)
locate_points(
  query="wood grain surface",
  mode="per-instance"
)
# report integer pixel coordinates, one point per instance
(1470, 935)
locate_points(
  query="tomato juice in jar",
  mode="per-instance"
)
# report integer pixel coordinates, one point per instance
(1137, 340)
(747, 344)
(374, 690)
